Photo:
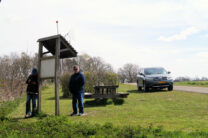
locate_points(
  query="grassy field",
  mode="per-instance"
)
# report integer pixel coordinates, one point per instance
(171, 110)
(192, 83)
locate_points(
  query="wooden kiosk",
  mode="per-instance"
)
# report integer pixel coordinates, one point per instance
(49, 66)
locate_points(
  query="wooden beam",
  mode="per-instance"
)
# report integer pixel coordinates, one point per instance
(49, 38)
(46, 78)
(99, 96)
(68, 46)
(57, 75)
(46, 52)
(64, 50)
(39, 72)
(45, 58)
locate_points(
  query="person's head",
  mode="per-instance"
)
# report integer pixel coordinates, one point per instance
(34, 71)
(76, 69)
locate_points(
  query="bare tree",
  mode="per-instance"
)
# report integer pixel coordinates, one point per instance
(14, 70)
(34, 60)
(128, 71)
(94, 65)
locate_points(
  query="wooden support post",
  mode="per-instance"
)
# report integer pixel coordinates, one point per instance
(39, 78)
(57, 76)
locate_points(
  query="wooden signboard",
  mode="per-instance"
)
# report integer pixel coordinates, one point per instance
(49, 66)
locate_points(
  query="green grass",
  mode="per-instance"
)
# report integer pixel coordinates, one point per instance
(7, 107)
(192, 83)
(172, 110)
(156, 114)
(62, 127)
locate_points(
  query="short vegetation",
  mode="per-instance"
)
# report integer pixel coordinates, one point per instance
(61, 127)
(192, 83)
(156, 114)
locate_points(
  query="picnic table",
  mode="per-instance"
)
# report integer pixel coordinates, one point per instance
(108, 91)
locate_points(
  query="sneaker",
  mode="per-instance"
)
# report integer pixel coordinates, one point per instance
(27, 115)
(73, 114)
(81, 114)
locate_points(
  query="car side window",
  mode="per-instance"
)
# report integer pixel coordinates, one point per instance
(142, 71)
(139, 71)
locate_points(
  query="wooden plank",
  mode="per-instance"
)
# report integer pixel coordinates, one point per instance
(39, 79)
(46, 52)
(68, 46)
(49, 38)
(57, 76)
(116, 86)
(64, 50)
(46, 78)
(50, 57)
(118, 95)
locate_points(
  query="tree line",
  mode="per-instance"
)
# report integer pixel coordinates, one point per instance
(15, 68)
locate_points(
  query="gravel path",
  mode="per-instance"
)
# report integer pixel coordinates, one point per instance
(191, 89)
(186, 89)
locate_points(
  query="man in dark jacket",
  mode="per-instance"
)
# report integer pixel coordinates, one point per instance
(32, 93)
(76, 86)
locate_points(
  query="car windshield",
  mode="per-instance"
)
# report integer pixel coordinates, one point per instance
(151, 71)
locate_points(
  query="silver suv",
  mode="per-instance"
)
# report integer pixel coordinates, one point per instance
(154, 77)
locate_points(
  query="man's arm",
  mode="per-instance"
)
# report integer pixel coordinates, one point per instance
(70, 84)
(28, 81)
(82, 80)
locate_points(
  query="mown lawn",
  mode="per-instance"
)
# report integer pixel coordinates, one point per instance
(171, 110)
(192, 83)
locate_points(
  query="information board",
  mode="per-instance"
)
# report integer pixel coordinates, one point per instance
(47, 68)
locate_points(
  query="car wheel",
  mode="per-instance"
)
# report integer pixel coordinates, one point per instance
(138, 87)
(170, 88)
(146, 89)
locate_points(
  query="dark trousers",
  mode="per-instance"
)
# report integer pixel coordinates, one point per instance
(78, 97)
(32, 97)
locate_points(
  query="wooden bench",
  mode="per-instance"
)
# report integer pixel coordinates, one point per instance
(105, 89)
(106, 92)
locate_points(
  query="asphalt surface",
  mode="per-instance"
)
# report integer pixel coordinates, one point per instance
(187, 89)
(191, 89)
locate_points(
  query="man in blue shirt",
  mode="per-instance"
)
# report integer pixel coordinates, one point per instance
(32, 93)
(76, 87)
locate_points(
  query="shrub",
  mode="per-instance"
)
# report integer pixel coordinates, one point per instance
(64, 85)
(90, 79)
(60, 126)
(110, 79)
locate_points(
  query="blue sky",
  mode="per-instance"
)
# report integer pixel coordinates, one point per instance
(168, 33)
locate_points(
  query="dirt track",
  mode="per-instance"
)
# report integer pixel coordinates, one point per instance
(187, 89)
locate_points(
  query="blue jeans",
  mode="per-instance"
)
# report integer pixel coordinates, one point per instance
(30, 97)
(78, 97)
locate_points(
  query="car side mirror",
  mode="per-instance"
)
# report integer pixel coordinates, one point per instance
(169, 72)
(141, 74)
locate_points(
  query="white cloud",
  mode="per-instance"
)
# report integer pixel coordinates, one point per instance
(181, 36)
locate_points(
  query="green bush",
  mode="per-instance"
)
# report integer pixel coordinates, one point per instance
(91, 80)
(59, 126)
(64, 84)
(110, 79)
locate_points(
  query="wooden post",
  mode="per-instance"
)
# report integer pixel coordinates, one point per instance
(39, 78)
(57, 76)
